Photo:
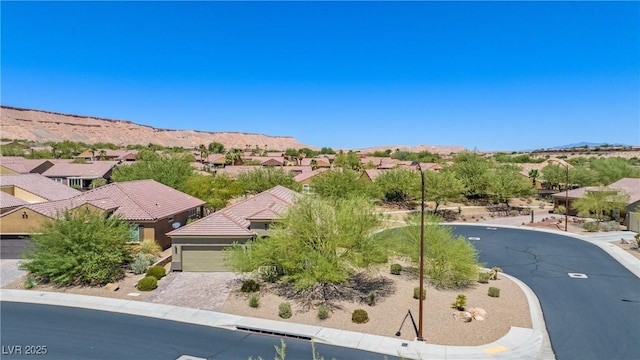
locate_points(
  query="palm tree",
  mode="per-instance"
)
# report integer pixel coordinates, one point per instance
(533, 174)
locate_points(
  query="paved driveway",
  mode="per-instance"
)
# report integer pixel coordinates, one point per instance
(9, 271)
(199, 290)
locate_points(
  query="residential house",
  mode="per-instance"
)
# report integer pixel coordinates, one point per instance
(199, 246)
(316, 162)
(109, 155)
(80, 176)
(306, 179)
(35, 188)
(216, 160)
(12, 165)
(629, 186)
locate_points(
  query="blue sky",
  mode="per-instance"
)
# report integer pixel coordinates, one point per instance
(484, 75)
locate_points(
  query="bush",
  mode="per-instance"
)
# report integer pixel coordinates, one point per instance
(460, 303)
(493, 273)
(284, 310)
(610, 226)
(396, 269)
(560, 210)
(371, 298)
(139, 264)
(30, 282)
(359, 316)
(254, 301)
(323, 312)
(494, 291)
(147, 283)
(150, 248)
(591, 226)
(157, 272)
(416, 293)
(249, 285)
(484, 277)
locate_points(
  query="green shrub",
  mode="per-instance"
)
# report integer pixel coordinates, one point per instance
(139, 264)
(494, 291)
(30, 282)
(284, 310)
(591, 226)
(150, 248)
(147, 283)
(460, 303)
(371, 298)
(560, 210)
(416, 293)
(493, 273)
(396, 269)
(610, 226)
(254, 301)
(249, 285)
(484, 277)
(360, 316)
(157, 272)
(323, 312)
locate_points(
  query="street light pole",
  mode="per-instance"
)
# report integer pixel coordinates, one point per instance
(420, 313)
(566, 198)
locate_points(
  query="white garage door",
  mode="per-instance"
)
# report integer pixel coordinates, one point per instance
(203, 258)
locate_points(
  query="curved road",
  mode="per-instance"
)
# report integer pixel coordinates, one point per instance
(597, 317)
(74, 333)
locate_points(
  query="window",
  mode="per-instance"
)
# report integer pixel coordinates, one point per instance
(193, 212)
(75, 183)
(135, 233)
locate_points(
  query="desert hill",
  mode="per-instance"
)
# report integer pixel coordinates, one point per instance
(42, 126)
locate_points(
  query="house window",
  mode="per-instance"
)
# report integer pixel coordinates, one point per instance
(75, 183)
(135, 233)
(193, 212)
(58, 180)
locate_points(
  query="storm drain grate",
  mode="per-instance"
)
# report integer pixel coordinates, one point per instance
(273, 332)
(578, 276)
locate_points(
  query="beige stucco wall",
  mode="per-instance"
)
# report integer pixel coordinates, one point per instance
(14, 223)
(27, 196)
(6, 171)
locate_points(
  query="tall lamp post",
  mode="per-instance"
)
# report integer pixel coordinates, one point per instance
(420, 316)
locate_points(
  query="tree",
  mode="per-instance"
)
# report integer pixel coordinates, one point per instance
(349, 160)
(216, 190)
(96, 183)
(234, 157)
(449, 261)
(533, 175)
(80, 247)
(318, 242)
(261, 179)
(471, 168)
(172, 170)
(338, 184)
(581, 176)
(327, 151)
(216, 148)
(397, 186)
(442, 187)
(610, 170)
(505, 183)
(601, 203)
(554, 175)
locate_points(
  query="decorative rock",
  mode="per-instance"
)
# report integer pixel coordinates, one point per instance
(112, 286)
(463, 316)
(478, 313)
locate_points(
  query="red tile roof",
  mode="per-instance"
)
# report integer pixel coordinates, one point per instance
(95, 169)
(7, 201)
(39, 185)
(144, 200)
(20, 164)
(212, 225)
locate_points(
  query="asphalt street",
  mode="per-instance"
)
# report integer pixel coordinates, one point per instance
(74, 333)
(593, 315)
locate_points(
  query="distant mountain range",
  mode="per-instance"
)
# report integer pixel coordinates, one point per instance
(583, 144)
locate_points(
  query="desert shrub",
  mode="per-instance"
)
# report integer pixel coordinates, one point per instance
(269, 273)
(284, 310)
(396, 269)
(493, 273)
(560, 210)
(610, 226)
(416, 293)
(149, 248)
(254, 301)
(323, 312)
(494, 291)
(460, 303)
(139, 264)
(514, 213)
(30, 282)
(249, 285)
(147, 283)
(484, 277)
(591, 226)
(157, 272)
(360, 316)
(371, 298)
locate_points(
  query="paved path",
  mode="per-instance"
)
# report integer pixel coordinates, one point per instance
(199, 290)
(10, 271)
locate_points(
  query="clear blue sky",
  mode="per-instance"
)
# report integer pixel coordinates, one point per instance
(484, 75)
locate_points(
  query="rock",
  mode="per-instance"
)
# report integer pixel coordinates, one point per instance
(112, 287)
(463, 316)
(478, 313)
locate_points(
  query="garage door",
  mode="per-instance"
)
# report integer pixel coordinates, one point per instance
(203, 258)
(11, 248)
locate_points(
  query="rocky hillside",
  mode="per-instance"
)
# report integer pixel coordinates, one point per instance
(42, 126)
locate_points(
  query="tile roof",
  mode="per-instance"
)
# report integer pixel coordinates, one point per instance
(20, 164)
(95, 169)
(268, 205)
(7, 201)
(630, 186)
(145, 200)
(235, 170)
(309, 174)
(217, 223)
(39, 185)
(54, 208)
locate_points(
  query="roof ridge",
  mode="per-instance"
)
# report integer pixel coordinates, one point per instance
(134, 200)
(278, 197)
(228, 216)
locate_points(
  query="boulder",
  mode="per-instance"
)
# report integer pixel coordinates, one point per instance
(112, 286)
(463, 316)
